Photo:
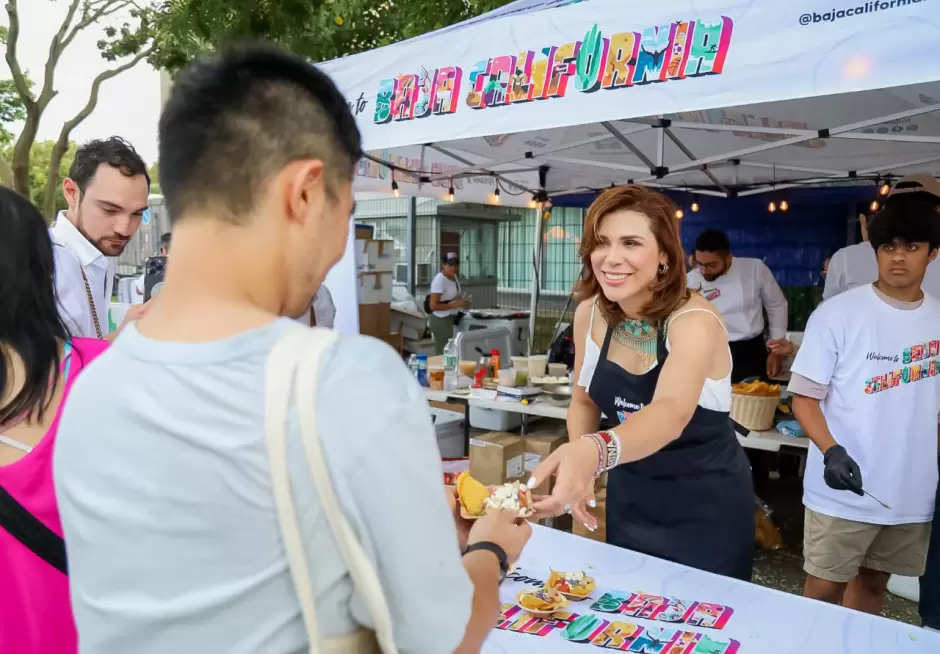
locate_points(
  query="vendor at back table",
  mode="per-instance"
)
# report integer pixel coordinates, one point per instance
(741, 289)
(651, 360)
(445, 301)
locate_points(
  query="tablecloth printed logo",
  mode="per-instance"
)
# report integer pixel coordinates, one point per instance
(627, 636)
(911, 371)
(661, 53)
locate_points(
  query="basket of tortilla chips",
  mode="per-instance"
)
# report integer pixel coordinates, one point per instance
(573, 585)
(475, 498)
(753, 404)
(541, 602)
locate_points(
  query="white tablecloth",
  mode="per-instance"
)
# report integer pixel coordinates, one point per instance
(756, 620)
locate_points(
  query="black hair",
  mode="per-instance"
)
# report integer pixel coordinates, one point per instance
(236, 118)
(920, 195)
(30, 324)
(907, 221)
(114, 152)
(712, 240)
(165, 239)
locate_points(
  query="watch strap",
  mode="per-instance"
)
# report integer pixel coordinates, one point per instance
(488, 546)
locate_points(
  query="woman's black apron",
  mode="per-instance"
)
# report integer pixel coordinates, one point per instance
(692, 502)
(748, 359)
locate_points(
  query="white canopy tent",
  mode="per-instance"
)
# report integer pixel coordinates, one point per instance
(723, 97)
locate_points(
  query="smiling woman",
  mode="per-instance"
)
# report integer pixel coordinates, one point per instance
(653, 371)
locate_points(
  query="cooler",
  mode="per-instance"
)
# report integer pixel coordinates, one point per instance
(516, 322)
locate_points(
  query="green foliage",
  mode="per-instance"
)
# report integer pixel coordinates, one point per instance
(40, 155)
(317, 29)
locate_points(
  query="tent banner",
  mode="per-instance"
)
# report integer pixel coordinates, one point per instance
(604, 60)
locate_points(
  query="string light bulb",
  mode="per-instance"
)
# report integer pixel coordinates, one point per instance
(533, 203)
(450, 194)
(784, 205)
(695, 206)
(395, 188)
(884, 189)
(875, 205)
(496, 195)
(772, 207)
(679, 214)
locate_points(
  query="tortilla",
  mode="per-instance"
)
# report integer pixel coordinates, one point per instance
(542, 600)
(574, 584)
(472, 495)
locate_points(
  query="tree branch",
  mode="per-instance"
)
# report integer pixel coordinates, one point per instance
(55, 52)
(62, 143)
(13, 35)
(92, 12)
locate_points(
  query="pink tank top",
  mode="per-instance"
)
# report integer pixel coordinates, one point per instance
(35, 612)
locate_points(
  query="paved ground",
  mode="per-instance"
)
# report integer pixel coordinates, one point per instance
(783, 569)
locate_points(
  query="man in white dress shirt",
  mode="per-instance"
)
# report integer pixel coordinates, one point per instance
(106, 191)
(742, 289)
(856, 265)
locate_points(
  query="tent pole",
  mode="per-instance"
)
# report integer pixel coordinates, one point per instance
(661, 145)
(537, 259)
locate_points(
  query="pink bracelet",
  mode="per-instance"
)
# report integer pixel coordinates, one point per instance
(608, 451)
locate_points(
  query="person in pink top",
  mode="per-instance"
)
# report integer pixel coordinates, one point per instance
(38, 363)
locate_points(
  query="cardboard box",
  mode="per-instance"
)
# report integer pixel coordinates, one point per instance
(537, 448)
(600, 534)
(364, 232)
(375, 255)
(374, 320)
(375, 288)
(497, 457)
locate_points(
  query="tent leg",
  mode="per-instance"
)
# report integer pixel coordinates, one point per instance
(536, 278)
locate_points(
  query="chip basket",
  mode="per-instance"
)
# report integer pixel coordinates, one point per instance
(755, 412)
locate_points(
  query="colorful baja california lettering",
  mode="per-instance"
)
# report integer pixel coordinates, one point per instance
(628, 637)
(513, 618)
(664, 609)
(925, 353)
(672, 51)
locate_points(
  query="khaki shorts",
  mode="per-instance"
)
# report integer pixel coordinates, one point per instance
(834, 549)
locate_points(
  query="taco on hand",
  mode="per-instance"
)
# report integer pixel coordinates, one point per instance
(475, 498)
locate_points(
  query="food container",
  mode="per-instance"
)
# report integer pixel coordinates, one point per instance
(467, 368)
(559, 395)
(755, 412)
(557, 370)
(521, 364)
(537, 365)
(436, 377)
(507, 377)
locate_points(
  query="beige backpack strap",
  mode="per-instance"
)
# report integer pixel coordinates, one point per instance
(296, 359)
(360, 567)
(279, 381)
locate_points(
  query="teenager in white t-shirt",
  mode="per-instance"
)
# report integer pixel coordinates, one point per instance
(866, 387)
(445, 301)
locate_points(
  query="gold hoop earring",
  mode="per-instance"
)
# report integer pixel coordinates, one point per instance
(663, 267)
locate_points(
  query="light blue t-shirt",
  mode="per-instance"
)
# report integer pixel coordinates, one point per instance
(164, 489)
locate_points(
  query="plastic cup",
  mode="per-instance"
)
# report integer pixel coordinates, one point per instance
(537, 365)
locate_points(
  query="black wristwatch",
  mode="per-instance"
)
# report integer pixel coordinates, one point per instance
(500, 553)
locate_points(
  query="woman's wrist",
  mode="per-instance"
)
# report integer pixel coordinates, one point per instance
(607, 445)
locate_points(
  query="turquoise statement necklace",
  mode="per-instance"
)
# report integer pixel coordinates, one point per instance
(639, 336)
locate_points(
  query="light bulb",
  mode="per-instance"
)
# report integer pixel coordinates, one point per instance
(395, 188)
(679, 214)
(496, 195)
(885, 189)
(874, 206)
(772, 206)
(532, 203)
(784, 205)
(450, 194)
(694, 207)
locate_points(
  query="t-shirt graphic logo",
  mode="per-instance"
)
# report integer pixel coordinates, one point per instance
(622, 416)
(711, 293)
(629, 408)
(919, 361)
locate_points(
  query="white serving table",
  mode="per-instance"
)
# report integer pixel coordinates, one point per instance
(768, 441)
(692, 612)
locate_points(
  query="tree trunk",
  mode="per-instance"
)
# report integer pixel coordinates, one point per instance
(52, 176)
(6, 173)
(21, 152)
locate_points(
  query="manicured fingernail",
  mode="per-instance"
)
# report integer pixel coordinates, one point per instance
(592, 504)
(589, 527)
(531, 483)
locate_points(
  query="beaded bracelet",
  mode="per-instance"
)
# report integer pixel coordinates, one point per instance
(608, 451)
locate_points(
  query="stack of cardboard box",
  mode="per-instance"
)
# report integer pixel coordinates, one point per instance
(375, 261)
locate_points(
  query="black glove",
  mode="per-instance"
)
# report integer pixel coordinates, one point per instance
(842, 472)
